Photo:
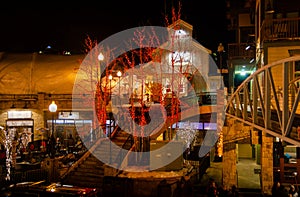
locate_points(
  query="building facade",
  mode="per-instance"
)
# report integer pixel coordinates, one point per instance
(264, 32)
(31, 82)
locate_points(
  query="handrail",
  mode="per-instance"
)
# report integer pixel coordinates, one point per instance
(280, 29)
(271, 29)
(83, 158)
(183, 115)
(75, 147)
(258, 108)
(128, 144)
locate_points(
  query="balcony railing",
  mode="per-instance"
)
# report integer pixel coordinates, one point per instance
(280, 29)
(240, 51)
(271, 30)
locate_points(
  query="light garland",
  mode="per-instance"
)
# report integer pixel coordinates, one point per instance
(8, 143)
(25, 139)
(187, 135)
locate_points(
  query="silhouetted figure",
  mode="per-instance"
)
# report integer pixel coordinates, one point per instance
(278, 190)
(292, 191)
(233, 192)
(172, 104)
(223, 191)
(212, 190)
(51, 146)
(70, 143)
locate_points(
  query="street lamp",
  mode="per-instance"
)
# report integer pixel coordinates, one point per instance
(110, 78)
(221, 50)
(109, 134)
(97, 132)
(52, 109)
(295, 175)
(119, 74)
(100, 58)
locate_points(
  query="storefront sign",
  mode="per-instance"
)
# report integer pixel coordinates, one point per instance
(19, 114)
(19, 123)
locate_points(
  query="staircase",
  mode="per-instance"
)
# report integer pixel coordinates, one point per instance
(120, 137)
(89, 171)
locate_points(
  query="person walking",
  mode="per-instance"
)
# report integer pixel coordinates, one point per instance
(212, 190)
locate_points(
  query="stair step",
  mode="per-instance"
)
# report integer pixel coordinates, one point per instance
(91, 166)
(82, 174)
(97, 183)
(90, 173)
(92, 163)
(89, 170)
(92, 158)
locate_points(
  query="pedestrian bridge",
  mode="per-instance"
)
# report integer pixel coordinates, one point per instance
(268, 100)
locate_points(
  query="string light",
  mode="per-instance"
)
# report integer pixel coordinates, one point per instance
(187, 135)
(8, 143)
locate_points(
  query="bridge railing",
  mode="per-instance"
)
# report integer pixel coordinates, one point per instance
(268, 100)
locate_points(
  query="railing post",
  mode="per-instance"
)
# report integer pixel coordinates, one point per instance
(52, 167)
(285, 94)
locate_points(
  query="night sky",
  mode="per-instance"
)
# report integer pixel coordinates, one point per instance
(31, 26)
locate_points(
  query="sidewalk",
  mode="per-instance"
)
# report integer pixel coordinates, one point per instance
(215, 172)
(248, 181)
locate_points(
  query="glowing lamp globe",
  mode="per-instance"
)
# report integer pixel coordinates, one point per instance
(100, 57)
(119, 73)
(52, 107)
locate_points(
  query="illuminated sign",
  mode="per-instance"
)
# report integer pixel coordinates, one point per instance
(19, 114)
(19, 123)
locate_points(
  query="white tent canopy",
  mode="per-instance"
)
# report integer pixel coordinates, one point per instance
(30, 73)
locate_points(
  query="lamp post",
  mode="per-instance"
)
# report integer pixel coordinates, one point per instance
(109, 134)
(119, 74)
(100, 58)
(52, 109)
(99, 131)
(110, 78)
(220, 51)
(296, 183)
(220, 104)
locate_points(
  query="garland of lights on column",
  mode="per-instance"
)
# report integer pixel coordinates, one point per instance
(9, 137)
(187, 135)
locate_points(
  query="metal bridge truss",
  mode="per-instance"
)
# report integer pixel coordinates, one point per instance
(268, 100)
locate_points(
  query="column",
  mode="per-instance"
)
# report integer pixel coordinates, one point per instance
(229, 170)
(220, 124)
(266, 163)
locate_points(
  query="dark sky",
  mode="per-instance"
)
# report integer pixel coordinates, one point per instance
(31, 26)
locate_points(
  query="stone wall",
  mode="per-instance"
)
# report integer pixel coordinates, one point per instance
(229, 165)
(267, 163)
(234, 132)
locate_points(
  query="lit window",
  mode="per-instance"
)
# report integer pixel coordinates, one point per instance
(180, 58)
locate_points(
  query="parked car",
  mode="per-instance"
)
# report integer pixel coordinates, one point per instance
(41, 188)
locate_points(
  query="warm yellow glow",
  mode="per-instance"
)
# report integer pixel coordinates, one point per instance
(100, 57)
(52, 107)
(220, 145)
(110, 77)
(119, 73)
